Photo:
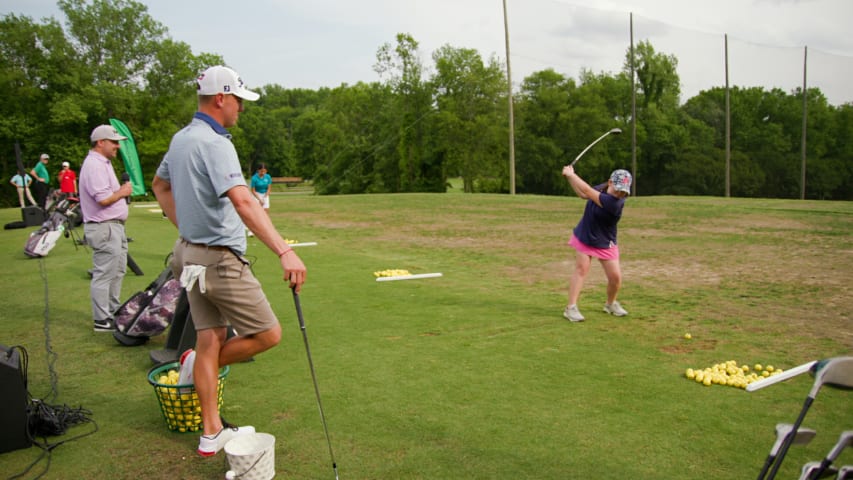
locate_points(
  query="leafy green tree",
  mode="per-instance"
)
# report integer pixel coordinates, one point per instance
(658, 94)
(470, 100)
(541, 114)
(355, 150)
(657, 76)
(111, 60)
(601, 102)
(403, 70)
(831, 177)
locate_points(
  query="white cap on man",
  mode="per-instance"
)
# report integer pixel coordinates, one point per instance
(44, 156)
(106, 132)
(220, 79)
(66, 164)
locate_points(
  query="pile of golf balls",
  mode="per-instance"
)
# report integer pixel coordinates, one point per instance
(730, 374)
(391, 273)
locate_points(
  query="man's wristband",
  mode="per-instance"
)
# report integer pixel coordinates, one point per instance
(285, 252)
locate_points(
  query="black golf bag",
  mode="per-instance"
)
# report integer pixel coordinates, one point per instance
(63, 215)
(148, 313)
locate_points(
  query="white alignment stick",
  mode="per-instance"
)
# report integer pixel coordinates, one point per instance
(408, 277)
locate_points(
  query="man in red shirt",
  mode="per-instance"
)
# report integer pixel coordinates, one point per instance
(67, 180)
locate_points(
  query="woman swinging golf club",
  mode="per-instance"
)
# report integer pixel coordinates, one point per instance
(595, 236)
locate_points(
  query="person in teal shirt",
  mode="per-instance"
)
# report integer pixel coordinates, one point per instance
(41, 187)
(260, 185)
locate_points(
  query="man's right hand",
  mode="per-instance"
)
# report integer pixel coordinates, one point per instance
(294, 270)
(125, 191)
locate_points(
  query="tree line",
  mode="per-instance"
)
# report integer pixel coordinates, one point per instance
(420, 123)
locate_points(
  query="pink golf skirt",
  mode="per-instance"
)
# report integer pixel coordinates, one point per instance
(611, 253)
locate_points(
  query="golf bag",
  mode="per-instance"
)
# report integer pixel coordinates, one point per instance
(148, 313)
(64, 214)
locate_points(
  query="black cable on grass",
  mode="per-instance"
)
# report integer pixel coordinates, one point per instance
(51, 355)
(45, 419)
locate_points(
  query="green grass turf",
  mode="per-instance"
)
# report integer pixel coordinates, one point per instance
(474, 375)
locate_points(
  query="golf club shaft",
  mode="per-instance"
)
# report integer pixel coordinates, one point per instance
(593, 144)
(314, 378)
(768, 462)
(789, 439)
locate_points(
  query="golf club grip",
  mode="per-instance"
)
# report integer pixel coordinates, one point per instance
(773, 379)
(298, 308)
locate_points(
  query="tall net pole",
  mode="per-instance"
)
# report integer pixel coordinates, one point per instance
(728, 124)
(805, 116)
(509, 99)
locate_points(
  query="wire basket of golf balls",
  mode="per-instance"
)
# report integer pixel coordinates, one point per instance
(179, 403)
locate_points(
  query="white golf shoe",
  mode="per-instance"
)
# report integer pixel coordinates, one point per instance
(572, 314)
(615, 309)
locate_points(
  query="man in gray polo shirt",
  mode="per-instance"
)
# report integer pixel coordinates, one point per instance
(201, 189)
(104, 204)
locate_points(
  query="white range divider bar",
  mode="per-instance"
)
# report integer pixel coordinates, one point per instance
(302, 244)
(773, 379)
(408, 277)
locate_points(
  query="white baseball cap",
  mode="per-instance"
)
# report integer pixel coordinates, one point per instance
(44, 155)
(66, 164)
(220, 79)
(106, 132)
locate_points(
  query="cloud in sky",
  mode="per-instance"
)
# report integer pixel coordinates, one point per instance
(323, 43)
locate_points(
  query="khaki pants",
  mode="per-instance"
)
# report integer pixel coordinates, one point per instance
(233, 296)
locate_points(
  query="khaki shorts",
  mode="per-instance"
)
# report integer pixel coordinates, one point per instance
(233, 296)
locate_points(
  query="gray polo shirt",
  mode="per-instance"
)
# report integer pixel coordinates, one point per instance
(201, 166)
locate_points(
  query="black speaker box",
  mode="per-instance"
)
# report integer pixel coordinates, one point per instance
(13, 402)
(32, 216)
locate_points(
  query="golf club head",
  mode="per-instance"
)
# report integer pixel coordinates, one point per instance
(844, 440)
(810, 468)
(836, 372)
(802, 437)
(845, 473)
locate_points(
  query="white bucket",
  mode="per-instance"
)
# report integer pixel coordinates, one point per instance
(251, 457)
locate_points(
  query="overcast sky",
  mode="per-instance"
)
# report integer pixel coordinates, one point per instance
(324, 43)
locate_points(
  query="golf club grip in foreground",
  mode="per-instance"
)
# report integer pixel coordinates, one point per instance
(789, 373)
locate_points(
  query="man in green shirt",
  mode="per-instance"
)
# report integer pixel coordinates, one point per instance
(41, 186)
